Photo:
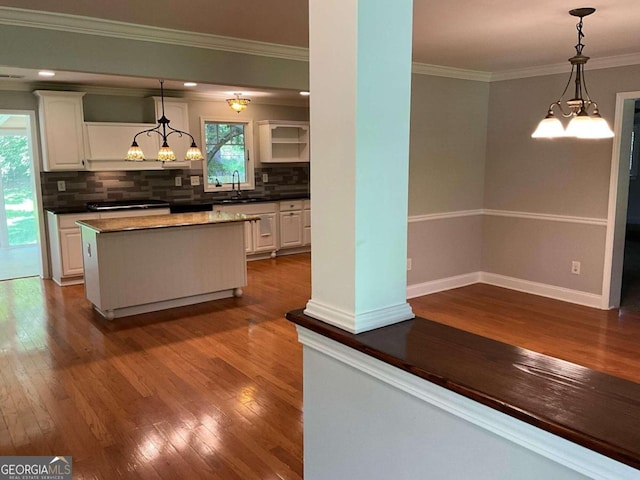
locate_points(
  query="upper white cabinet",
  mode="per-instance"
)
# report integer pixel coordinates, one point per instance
(111, 141)
(177, 111)
(283, 141)
(61, 130)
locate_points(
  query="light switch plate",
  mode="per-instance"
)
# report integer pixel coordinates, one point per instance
(62, 186)
(195, 180)
(178, 181)
(265, 178)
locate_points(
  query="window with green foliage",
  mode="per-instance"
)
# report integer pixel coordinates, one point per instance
(227, 145)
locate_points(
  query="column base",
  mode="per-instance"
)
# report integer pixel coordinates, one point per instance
(359, 322)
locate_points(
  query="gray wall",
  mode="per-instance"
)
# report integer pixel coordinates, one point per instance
(564, 177)
(447, 149)
(38, 48)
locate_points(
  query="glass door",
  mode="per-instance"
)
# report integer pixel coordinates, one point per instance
(19, 239)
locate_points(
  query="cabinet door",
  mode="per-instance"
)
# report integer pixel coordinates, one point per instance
(291, 229)
(61, 124)
(71, 251)
(265, 237)
(248, 237)
(306, 236)
(177, 111)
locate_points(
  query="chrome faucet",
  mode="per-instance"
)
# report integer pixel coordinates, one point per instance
(233, 183)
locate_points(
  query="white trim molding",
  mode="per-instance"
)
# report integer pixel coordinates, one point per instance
(544, 290)
(442, 284)
(511, 214)
(547, 217)
(450, 72)
(359, 322)
(564, 68)
(534, 288)
(445, 215)
(557, 449)
(111, 28)
(130, 31)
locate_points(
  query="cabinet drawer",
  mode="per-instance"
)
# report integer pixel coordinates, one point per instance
(68, 220)
(290, 205)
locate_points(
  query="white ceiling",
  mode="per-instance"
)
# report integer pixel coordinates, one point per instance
(482, 35)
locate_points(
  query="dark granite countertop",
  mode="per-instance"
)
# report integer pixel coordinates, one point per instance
(196, 204)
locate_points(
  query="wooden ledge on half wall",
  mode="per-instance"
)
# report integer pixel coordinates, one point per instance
(589, 408)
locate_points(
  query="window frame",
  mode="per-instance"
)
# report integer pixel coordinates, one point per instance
(249, 162)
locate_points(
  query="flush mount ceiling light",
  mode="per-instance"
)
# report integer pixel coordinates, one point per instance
(238, 104)
(165, 154)
(582, 124)
(46, 73)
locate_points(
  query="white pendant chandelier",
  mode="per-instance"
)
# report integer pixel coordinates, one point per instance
(582, 124)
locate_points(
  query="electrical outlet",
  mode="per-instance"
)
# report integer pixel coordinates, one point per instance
(178, 181)
(195, 180)
(62, 186)
(265, 178)
(575, 267)
(409, 264)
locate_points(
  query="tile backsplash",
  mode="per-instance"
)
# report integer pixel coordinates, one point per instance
(83, 187)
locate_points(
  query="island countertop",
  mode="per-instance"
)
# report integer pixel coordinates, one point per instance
(107, 225)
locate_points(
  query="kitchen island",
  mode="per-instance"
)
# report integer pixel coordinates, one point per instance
(136, 265)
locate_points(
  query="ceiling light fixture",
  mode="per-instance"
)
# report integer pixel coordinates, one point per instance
(190, 84)
(165, 154)
(305, 93)
(46, 73)
(582, 124)
(238, 104)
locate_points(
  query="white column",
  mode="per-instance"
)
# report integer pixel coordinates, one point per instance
(360, 79)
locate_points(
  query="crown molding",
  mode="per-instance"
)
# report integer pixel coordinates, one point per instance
(130, 31)
(594, 64)
(450, 72)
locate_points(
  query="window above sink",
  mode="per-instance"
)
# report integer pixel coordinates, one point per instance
(228, 147)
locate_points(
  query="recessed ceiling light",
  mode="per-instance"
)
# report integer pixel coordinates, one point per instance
(305, 94)
(46, 73)
(190, 84)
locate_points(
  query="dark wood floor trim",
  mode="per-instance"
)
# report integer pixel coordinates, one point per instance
(587, 407)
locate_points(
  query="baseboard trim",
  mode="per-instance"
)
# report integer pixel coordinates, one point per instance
(535, 288)
(360, 322)
(542, 289)
(442, 284)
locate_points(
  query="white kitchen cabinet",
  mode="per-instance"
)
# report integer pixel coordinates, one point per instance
(61, 130)
(261, 236)
(110, 141)
(306, 222)
(291, 224)
(177, 111)
(65, 243)
(283, 141)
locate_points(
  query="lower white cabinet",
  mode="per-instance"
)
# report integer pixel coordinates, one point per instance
(65, 242)
(291, 224)
(261, 236)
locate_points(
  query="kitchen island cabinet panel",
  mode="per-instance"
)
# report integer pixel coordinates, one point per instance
(135, 271)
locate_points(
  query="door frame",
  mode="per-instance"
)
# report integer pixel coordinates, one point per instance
(618, 198)
(34, 146)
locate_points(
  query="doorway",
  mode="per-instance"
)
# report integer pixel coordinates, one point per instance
(20, 246)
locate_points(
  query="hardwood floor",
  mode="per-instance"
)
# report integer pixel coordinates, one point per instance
(215, 390)
(210, 391)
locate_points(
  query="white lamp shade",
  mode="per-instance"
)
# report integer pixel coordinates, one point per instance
(549, 127)
(593, 127)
